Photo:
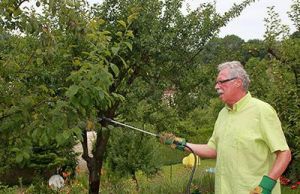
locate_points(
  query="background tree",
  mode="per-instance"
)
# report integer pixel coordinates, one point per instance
(286, 96)
(74, 64)
(164, 45)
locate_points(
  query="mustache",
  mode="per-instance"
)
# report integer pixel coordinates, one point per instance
(219, 91)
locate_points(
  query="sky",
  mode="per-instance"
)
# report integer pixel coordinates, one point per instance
(250, 24)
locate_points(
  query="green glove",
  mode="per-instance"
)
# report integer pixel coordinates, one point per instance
(171, 139)
(266, 186)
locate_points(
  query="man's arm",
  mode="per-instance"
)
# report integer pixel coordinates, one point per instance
(283, 158)
(267, 183)
(202, 150)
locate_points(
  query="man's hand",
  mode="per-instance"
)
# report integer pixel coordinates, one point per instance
(171, 139)
(256, 190)
(266, 186)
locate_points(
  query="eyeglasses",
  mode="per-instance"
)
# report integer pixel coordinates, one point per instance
(225, 80)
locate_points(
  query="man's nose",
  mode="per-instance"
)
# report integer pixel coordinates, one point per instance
(217, 86)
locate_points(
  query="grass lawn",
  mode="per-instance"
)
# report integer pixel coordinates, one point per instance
(174, 179)
(171, 179)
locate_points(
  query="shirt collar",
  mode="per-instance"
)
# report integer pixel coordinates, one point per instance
(240, 104)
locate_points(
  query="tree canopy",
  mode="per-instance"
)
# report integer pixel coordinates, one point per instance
(65, 67)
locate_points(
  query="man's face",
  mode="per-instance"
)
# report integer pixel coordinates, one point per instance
(225, 86)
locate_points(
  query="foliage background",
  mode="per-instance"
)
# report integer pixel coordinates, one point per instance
(63, 69)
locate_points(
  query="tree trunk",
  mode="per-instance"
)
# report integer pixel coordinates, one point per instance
(94, 179)
(95, 162)
(137, 188)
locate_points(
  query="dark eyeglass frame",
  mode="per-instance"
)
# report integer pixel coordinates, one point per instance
(225, 80)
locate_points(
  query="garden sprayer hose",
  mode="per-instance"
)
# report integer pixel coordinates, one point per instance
(188, 188)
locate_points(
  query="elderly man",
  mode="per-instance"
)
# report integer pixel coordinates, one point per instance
(248, 142)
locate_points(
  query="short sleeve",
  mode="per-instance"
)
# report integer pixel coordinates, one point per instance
(271, 129)
(212, 142)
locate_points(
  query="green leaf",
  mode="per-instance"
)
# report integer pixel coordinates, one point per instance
(120, 34)
(122, 23)
(26, 155)
(132, 17)
(38, 51)
(66, 135)
(15, 149)
(101, 95)
(17, 12)
(44, 139)
(77, 62)
(59, 139)
(86, 53)
(72, 91)
(115, 50)
(105, 32)
(110, 127)
(115, 69)
(43, 88)
(85, 101)
(19, 157)
(11, 9)
(101, 21)
(118, 96)
(130, 34)
(34, 134)
(77, 132)
(107, 53)
(124, 62)
(39, 61)
(75, 101)
(128, 45)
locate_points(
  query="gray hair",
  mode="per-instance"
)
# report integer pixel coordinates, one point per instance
(236, 69)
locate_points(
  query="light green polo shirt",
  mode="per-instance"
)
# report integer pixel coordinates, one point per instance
(245, 138)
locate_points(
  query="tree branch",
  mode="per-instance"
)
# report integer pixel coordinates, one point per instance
(85, 150)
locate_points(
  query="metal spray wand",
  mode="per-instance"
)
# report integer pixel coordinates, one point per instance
(131, 127)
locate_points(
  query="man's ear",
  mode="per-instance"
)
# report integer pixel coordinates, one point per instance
(238, 83)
